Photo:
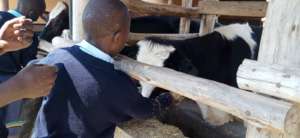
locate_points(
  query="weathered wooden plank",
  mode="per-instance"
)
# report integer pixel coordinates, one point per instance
(185, 22)
(230, 8)
(281, 36)
(207, 22)
(77, 11)
(274, 80)
(280, 45)
(134, 37)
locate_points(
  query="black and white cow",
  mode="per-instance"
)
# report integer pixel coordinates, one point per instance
(216, 56)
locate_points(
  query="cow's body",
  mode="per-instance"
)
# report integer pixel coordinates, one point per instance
(215, 56)
(160, 24)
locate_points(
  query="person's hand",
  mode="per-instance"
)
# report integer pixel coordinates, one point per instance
(164, 100)
(36, 80)
(16, 34)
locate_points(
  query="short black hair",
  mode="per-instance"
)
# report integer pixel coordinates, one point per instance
(104, 17)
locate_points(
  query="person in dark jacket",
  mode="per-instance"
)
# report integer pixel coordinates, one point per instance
(13, 62)
(90, 97)
(33, 81)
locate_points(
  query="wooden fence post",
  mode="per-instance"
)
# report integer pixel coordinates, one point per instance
(185, 22)
(280, 45)
(77, 11)
(207, 22)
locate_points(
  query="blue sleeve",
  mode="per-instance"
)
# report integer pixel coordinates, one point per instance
(52, 58)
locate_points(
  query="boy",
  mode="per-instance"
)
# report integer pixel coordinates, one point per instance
(90, 97)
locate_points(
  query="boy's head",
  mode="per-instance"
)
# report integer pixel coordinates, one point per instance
(106, 24)
(32, 9)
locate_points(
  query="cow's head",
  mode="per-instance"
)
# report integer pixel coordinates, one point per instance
(152, 54)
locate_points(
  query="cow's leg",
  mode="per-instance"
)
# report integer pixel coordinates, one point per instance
(147, 89)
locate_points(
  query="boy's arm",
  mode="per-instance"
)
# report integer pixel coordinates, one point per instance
(136, 106)
(142, 108)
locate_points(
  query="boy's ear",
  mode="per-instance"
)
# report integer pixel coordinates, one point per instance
(117, 36)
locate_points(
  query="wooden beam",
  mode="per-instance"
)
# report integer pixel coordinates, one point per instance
(207, 22)
(280, 44)
(77, 11)
(135, 37)
(281, 36)
(4, 5)
(263, 111)
(230, 8)
(274, 80)
(185, 22)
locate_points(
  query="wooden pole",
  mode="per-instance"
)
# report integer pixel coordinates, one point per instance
(185, 22)
(4, 5)
(135, 37)
(207, 22)
(77, 29)
(230, 8)
(281, 36)
(280, 45)
(270, 79)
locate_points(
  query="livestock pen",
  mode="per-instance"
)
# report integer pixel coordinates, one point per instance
(268, 98)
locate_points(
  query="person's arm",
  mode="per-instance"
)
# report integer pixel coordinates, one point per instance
(142, 108)
(15, 34)
(136, 106)
(32, 82)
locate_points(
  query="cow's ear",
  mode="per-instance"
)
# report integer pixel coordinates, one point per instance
(170, 49)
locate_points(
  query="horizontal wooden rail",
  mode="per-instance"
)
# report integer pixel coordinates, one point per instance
(262, 111)
(274, 80)
(229, 8)
(135, 37)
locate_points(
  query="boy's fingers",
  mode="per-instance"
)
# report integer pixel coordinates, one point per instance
(16, 20)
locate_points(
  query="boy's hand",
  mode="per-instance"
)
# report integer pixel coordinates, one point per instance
(36, 80)
(16, 34)
(164, 100)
